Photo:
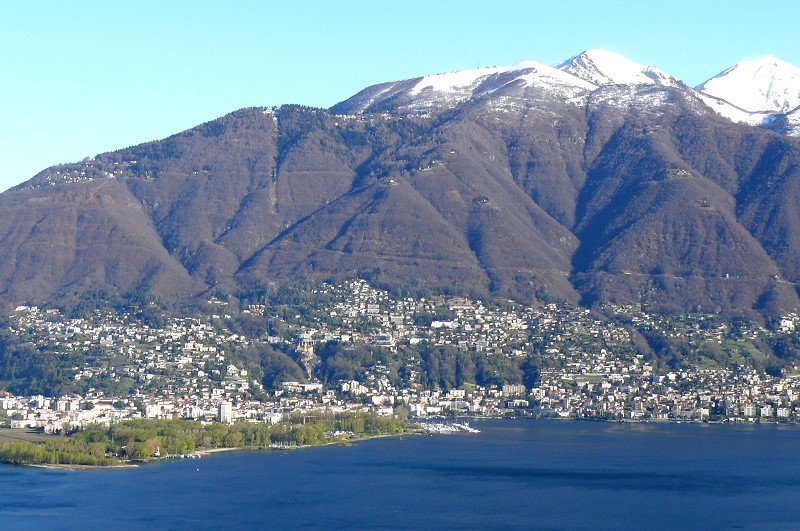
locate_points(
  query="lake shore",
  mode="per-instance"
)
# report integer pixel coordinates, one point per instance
(340, 442)
(207, 452)
(83, 467)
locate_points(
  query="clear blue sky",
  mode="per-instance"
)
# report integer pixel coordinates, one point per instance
(81, 78)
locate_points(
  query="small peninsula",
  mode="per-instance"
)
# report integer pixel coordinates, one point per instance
(138, 441)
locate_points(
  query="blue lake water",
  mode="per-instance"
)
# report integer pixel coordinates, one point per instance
(515, 474)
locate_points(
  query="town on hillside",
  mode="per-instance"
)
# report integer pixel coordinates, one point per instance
(350, 347)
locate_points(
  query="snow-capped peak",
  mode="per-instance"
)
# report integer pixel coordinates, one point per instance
(762, 85)
(602, 67)
(764, 93)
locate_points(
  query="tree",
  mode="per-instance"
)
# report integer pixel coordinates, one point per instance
(530, 373)
(278, 367)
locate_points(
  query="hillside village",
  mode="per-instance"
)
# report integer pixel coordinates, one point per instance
(588, 365)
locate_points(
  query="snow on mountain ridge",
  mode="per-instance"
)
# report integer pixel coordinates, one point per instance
(759, 93)
(463, 79)
(734, 113)
(592, 69)
(446, 90)
(602, 67)
(450, 81)
(762, 85)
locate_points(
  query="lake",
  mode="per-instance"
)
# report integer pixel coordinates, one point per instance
(515, 474)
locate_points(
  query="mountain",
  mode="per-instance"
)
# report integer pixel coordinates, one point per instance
(596, 181)
(763, 92)
(763, 85)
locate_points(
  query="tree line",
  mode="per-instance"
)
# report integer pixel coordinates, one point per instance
(144, 439)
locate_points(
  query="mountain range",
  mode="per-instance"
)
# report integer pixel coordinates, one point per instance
(596, 180)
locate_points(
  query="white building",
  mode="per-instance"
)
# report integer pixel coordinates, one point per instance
(225, 412)
(514, 390)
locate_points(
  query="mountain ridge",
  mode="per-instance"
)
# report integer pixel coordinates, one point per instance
(524, 182)
(598, 68)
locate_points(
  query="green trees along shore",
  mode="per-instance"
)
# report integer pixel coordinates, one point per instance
(142, 440)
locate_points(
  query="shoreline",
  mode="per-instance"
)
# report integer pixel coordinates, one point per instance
(82, 467)
(207, 452)
(347, 442)
(197, 454)
(211, 451)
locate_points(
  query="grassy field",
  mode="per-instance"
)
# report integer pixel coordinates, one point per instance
(7, 434)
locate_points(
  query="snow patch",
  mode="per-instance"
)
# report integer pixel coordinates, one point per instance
(452, 81)
(539, 74)
(734, 113)
(531, 72)
(793, 122)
